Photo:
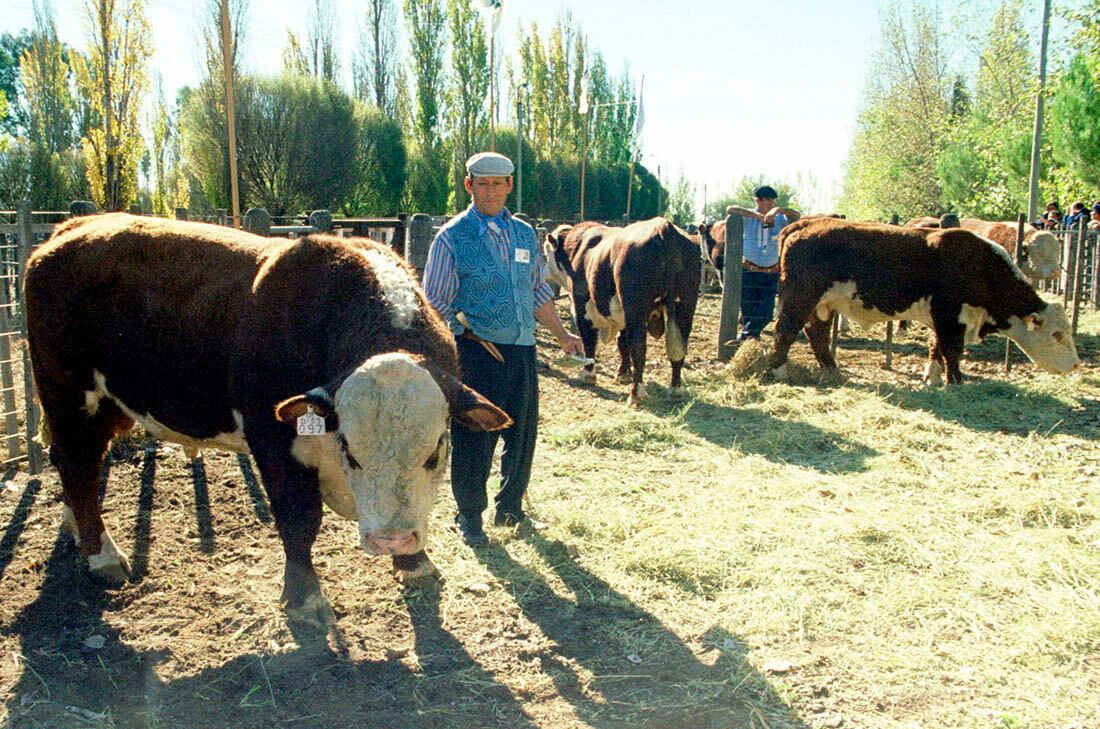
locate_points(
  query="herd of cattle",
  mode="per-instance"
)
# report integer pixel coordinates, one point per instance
(322, 358)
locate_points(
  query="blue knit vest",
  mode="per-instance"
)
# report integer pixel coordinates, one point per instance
(497, 296)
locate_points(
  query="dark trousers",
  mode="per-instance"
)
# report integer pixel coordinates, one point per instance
(512, 386)
(757, 301)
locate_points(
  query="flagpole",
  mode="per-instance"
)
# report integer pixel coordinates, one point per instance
(584, 163)
(492, 94)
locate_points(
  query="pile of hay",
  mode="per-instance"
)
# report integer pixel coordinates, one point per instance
(751, 363)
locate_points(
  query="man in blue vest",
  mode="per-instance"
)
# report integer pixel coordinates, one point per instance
(760, 267)
(485, 278)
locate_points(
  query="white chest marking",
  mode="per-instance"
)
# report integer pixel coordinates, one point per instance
(397, 288)
(233, 441)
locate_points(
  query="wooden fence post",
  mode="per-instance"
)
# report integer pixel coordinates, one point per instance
(1078, 272)
(321, 220)
(257, 220)
(135, 209)
(731, 287)
(78, 208)
(181, 213)
(418, 239)
(26, 243)
(1094, 241)
(223, 216)
(1021, 221)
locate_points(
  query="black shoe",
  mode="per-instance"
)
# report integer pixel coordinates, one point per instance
(470, 530)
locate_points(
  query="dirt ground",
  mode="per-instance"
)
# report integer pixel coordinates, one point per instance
(198, 640)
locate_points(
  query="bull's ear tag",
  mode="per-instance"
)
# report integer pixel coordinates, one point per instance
(310, 423)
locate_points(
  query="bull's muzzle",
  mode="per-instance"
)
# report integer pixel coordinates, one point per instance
(402, 542)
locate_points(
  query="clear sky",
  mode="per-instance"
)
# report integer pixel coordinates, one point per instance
(731, 87)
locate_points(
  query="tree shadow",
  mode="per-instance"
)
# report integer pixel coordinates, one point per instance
(993, 405)
(754, 432)
(143, 520)
(255, 491)
(572, 379)
(640, 673)
(18, 522)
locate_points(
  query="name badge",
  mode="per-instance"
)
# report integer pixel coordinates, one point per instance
(523, 255)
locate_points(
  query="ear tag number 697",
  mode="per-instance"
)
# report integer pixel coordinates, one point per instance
(310, 423)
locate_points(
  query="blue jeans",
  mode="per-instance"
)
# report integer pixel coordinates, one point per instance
(757, 302)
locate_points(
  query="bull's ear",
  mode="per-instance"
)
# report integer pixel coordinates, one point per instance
(549, 245)
(466, 405)
(318, 399)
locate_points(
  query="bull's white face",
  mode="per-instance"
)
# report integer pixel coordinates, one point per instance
(554, 273)
(1046, 338)
(383, 466)
(1043, 253)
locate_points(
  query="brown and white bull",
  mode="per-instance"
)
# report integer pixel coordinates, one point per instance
(1042, 249)
(212, 337)
(623, 281)
(962, 286)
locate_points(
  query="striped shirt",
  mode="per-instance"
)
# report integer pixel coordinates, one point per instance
(441, 278)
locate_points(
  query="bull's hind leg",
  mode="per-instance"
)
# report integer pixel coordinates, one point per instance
(79, 441)
(636, 344)
(588, 336)
(820, 335)
(794, 313)
(680, 314)
(624, 375)
(933, 372)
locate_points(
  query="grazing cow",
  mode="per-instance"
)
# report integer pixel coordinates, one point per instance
(1042, 249)
(961, 285)
(212, 337)
(624, 281)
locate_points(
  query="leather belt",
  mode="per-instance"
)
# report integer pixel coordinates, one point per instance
(750, 266)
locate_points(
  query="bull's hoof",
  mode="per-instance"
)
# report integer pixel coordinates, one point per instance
(679, 392)
(588, 378)
(779, 374)
(933, 375)
(113, 574)
(425, 576)
(314, 613)
(110, 565)
(637, 394)
(624, 378)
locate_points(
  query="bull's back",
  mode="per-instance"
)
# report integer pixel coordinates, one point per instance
(151, 306)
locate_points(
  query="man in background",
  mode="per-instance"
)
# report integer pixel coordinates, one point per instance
(760, 267)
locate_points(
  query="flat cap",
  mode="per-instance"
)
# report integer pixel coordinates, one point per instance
(489, 164)
(1096, 208)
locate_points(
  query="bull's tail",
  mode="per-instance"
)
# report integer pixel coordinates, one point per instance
(675, 345)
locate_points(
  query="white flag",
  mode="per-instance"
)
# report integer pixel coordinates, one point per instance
(491, 10)
(639, 116)
(584, 95)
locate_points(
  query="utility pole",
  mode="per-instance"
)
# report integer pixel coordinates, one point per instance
(1037, 136)
(519, 146)
(227, 67)
(492, 93)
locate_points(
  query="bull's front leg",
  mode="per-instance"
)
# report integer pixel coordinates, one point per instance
(820, 335)
(933, 371)
(949, 335)
(296, 506)
(624, 375)
(416, 570)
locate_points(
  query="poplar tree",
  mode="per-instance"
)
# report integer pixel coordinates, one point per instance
(112, 78)
(374, 68)
(427, 37)
(469, 87)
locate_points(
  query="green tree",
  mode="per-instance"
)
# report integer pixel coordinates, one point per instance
(903, 123)
(742, 194)
(374, 68)
(382, 169)
(112, 78)
(468, 88)
(45, 78)
(11, 50)
(427, 37)
(681, 201)
(1075, 114)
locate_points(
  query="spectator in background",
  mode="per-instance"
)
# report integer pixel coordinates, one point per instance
(1052, 218)
(1077, 212)
(1094, 224)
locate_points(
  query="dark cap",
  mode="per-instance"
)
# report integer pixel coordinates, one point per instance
(765, 192)
(1096, 208)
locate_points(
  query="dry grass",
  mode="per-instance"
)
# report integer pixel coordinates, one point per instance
(859, 553)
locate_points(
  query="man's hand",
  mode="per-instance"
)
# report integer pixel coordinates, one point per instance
(571, 344)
